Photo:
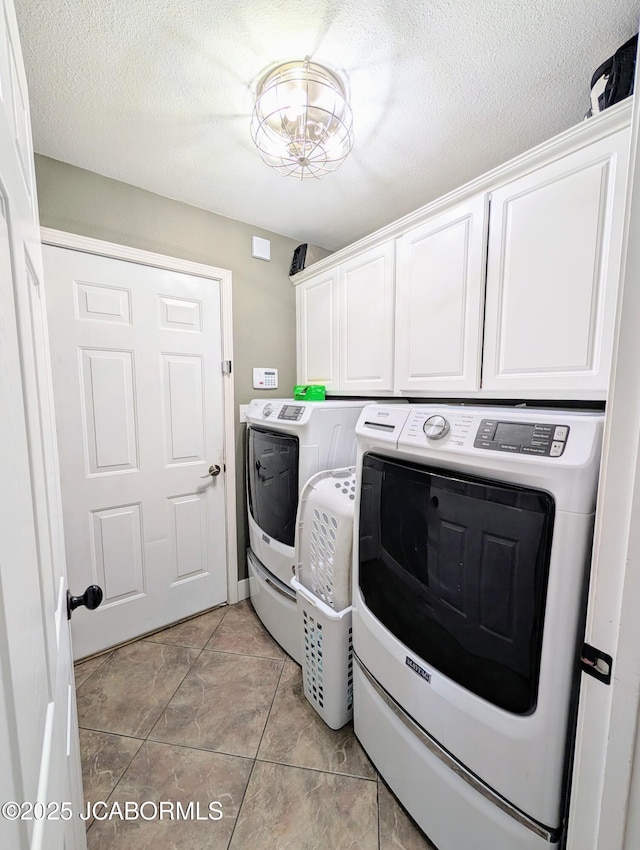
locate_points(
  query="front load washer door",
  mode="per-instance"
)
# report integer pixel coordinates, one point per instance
(272, 471)
(456, 568)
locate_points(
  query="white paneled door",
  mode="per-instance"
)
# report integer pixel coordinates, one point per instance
(40, 781)
(137, 372)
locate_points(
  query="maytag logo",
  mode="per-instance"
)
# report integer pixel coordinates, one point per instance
(418, 669)
(266, 539)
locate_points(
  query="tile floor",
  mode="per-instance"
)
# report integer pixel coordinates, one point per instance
(213, 710)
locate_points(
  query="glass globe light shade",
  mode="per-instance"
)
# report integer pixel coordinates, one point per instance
(302, 124)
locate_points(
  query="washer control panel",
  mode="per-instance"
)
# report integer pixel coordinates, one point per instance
(522, 437)
(469, 429)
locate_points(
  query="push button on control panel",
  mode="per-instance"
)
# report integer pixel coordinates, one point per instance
(487, 429)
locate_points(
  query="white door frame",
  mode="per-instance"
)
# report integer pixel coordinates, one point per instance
(62, 239)
(606, 779)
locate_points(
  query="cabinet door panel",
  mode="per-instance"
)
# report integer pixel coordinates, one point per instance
(317, 319)
(553, 264)
(366, 321)
(439, 286)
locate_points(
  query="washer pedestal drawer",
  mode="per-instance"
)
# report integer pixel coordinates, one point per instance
(450, 812)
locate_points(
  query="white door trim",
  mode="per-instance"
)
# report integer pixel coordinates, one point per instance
(606, 783)
(62, 239)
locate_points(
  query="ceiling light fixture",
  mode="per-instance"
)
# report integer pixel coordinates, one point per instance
(302, 124)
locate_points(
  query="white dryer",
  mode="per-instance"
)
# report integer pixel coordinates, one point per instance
(287, 442)
(471, 552)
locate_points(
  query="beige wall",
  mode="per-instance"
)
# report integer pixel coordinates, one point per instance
(85, 203)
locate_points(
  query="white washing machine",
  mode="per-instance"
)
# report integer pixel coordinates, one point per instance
(471, 553)
(287, 442)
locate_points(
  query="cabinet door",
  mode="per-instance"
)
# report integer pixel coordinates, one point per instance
(439, 299)
(317, 326)
(553, 263)
(366, 321)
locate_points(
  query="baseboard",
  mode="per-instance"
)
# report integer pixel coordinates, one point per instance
(243, 589)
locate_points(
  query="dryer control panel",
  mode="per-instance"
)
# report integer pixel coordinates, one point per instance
(522, 437)
(291, 412)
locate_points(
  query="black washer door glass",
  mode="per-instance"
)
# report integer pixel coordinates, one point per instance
(272, 475)
(456, 568)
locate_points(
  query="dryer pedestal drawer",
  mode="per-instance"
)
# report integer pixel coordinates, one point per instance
(275, 605)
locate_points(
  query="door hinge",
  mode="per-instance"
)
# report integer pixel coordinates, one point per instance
(226, 367)
(596, 663)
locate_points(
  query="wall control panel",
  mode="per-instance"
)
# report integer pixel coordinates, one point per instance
(265, 378)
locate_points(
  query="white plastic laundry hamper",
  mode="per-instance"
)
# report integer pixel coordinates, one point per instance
(324, 537)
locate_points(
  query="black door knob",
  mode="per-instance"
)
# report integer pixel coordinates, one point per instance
(91, 598)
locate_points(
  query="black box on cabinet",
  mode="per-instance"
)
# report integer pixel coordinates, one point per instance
(305, 255)
(613, 80)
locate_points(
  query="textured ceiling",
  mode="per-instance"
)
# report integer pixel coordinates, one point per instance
(159, 93)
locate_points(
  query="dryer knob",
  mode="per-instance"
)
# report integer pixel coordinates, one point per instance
(267, 410)
(435, 427)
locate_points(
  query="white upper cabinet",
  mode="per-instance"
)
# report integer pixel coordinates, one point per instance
(366, 321)
(345, 325)
(439, 300)
(554, 255)
(506, 288)
(317, 330)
